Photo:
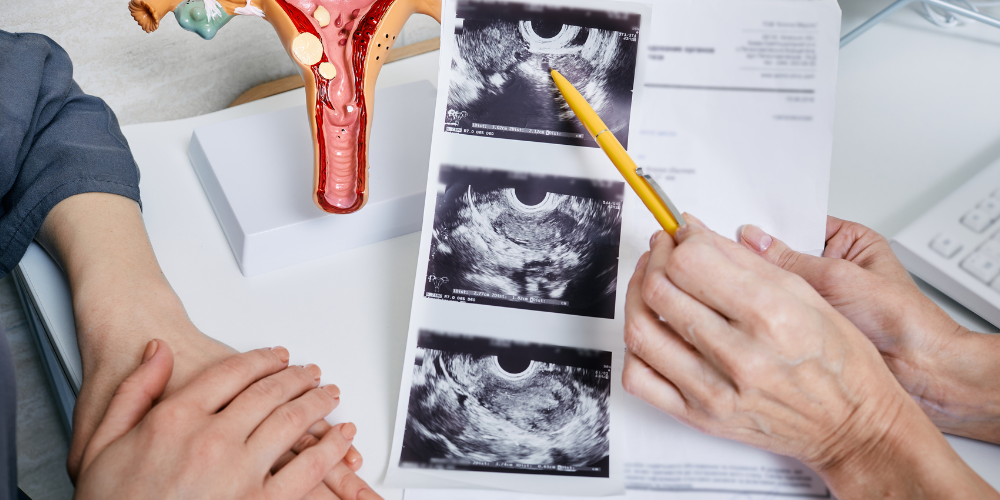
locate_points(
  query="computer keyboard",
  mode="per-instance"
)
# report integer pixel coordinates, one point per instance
(955, 246)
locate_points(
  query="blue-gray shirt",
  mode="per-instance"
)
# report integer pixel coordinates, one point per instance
(55, 142)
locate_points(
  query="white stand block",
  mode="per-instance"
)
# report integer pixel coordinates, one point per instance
(258, 174)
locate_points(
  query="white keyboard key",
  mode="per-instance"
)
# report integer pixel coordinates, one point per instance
(946, 245)
(982, 266)
(991, 247)
(991, 206)
(976, 220)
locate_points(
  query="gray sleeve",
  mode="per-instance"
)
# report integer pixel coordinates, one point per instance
(55, 141)
(8, 412)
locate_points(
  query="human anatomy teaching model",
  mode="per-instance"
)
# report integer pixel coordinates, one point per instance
(339, 46)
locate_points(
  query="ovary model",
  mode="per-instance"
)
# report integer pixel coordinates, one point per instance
(339, 46)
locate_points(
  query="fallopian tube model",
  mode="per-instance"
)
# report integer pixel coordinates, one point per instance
(339, 46)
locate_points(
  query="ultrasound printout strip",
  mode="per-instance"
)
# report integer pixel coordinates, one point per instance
(512, 372)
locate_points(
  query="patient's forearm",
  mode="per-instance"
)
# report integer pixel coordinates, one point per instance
(120, 296)
(121, 301)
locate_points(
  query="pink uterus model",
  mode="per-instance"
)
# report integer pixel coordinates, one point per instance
(340, 47)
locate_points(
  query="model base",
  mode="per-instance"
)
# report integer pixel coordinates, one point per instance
(255, 169)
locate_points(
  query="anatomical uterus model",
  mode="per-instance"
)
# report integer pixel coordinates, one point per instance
(339, 46)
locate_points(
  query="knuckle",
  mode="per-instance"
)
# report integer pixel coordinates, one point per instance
(319, 401)
(317, 463)
(633, 335)
(837, 273)
(128, 386)
(167, 415)
(210, 446)
(269, 388)
(841, 270)
(655, 289)
(787, 259)
(777, 320)
(345, 484)
(714, 401)
(236, 366)
(305, 442)
(294, 415)
(794, 283)
(683, 259)
(762, 310)
(699, 423)
(747, 370)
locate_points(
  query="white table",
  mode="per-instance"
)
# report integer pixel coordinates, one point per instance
(915, 118)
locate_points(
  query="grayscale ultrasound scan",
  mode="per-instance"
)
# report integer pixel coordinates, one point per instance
(510, 239)
(500, 81)
(483, 404)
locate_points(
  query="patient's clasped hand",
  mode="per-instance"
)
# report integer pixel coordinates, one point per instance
(339, 47)
(249, 427)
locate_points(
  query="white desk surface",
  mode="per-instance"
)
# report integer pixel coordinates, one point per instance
(916, 116)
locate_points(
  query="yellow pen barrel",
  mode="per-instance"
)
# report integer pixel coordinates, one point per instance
(623, 162)
(609, 143)
(579, 105)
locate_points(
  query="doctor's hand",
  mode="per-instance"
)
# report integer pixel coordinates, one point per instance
(219, 436)
(737, 347)
(950, 371)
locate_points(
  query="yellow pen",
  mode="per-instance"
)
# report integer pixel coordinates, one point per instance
(648, 190)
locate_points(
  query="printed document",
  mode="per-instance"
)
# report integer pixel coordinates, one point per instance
(512, 371)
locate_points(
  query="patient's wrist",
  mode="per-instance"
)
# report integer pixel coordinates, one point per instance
(116, 319)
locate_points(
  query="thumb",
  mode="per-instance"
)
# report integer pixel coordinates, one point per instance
(133, 399)
(775, 251)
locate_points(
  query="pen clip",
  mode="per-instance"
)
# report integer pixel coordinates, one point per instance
(676, 214)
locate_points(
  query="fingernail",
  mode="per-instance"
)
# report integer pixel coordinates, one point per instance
(314, 371)
(367, 494)
(642, 261)
(652, 239)
(151, 348)
(348, 430)
(756, 237)
(332, 390)
(281, 352)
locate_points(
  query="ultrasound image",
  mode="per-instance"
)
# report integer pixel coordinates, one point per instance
(492, 405)
(500, 81)
(542, 243)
